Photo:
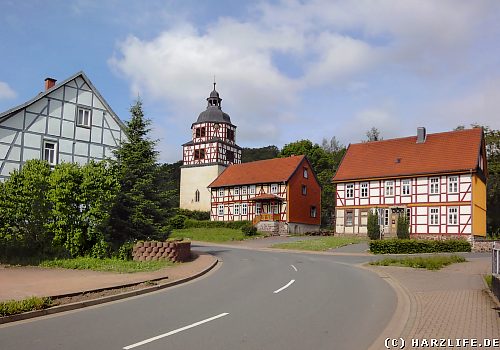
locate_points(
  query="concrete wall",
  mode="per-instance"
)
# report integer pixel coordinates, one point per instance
(197, 178)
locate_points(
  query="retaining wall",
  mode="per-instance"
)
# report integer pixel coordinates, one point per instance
(176, 251)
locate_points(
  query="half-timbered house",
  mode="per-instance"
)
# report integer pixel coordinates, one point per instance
(438, 181)
(67, 122)
(211, 149)
(280, 195)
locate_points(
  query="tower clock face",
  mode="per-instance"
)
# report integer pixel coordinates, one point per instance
(216, 126)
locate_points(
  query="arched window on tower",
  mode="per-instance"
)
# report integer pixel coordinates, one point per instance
(197, 196)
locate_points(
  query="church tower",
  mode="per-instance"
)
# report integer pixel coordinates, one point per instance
(212, 148)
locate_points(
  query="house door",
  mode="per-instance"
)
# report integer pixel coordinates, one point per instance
(394, 222)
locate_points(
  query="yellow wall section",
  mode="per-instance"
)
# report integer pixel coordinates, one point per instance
(478, 206)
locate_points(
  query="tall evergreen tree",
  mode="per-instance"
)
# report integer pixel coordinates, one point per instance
(139, 211)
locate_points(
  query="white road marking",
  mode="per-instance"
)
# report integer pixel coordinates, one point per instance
(294, 268)
(174, 331)
(284, 287)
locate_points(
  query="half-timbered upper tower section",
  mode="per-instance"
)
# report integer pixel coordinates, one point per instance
(213, 137)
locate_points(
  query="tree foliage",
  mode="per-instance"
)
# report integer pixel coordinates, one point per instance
(142, 208)
(403, 227)
(253, 154)
(373, 227)
(373, 135)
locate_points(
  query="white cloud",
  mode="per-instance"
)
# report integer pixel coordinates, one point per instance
(6, 92)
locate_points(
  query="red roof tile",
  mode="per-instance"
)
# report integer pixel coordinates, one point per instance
(261, 171)
(264, 196)
(442, 152)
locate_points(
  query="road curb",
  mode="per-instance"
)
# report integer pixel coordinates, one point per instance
(106, 299)
(404, 315)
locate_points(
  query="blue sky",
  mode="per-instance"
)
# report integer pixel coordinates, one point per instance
(286, 70)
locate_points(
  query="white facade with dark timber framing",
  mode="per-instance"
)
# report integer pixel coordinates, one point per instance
(68, 122)
(211, 149)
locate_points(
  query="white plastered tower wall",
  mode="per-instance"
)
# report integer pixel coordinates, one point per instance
(197, 178)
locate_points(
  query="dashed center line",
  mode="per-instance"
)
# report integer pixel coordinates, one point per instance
(174, 331)
(284, 287)
(294, 268)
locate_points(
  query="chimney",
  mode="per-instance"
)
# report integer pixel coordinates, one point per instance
(421, 134)
(49, 83)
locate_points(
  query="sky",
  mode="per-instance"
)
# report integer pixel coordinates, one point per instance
(285, 70)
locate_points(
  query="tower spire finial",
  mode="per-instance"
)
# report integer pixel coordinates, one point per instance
(214, 82)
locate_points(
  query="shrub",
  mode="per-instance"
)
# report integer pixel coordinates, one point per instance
(402, 230)
(100, 250)
(125, 251)
(373, 227)
(190, 223)
(413, 246)
(177, 221)
(12, 307)
(194, 214)
(249, 230)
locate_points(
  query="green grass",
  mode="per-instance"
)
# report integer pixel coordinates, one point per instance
(319, 244)
(217, 234)
(489, 280)
(429, 263)
(111, 265)
(12, 307)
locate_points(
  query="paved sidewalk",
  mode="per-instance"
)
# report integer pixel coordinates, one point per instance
(450, 303)
(22, 282)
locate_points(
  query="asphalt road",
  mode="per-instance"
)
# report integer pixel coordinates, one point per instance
(255, 300)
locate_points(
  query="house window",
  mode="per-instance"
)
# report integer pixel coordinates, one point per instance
(244, 190)
(199, 153)
(349, 217)
(364, 190)
(304, 190)
(200, 132)
(275, 208)
(434, 216)
(230, 134)
(453, 184)
(274, 188)
(389, 188)
(258, 208)
(220, 209)
(244, 209)
(349, 191)
(313, 211)
(408, 215)
(230, 156)
(83, 117)
(434, 184)
(453, 216)
(197, 196)
(386, 217)
(405, 187)
(49, 152)
(236, 191)
(252, 189)
(305, 173)
(364, 218)
(221, 192)
(236, 209)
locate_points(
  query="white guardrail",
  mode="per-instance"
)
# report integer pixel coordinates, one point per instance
(495, 261)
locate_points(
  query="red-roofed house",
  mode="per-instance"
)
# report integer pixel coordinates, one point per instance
(280, 195)
(437, 180)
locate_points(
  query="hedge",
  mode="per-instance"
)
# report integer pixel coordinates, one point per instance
(237, 225)
(413, 246)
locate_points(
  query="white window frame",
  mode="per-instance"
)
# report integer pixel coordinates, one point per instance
(386, 217)
(236, 209)
(243, 190)
(364, 190)
(348, 223)
(251, 189)
(434, 216)
(453, 216)
(313, 212)
(389, 188)
(434, 185)
(305, 173)
(220, 210)
(244, 209)
(274, 188)
(304, 190)
(236, 191)
(408, 215)
(258, 208)
(51, 157)
(85, 120)
(220, 192)
(453, 184)
(349, 191)
(405, 187)
(274, 208)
